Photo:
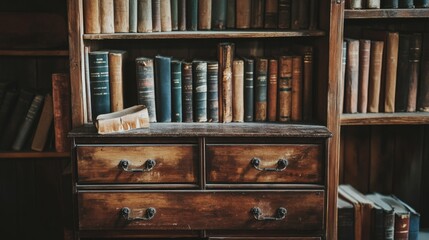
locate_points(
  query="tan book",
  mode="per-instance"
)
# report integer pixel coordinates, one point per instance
(45, 121)
(107, 16)
(156, 15)
(205, 14)
(296, 111)
(122, 16)
(243, 14)
(225, 58)
(165, 16)
(144, 16)
(352, 76)
(271, 13)
(91, 16)
(376, 61)
(285, 88)
(116, 77)
(390, 71)
(272, 89)
(364, 61)
(127, 119)
(238, 90)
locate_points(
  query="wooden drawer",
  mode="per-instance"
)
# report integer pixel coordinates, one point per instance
(237, 163)
(160, 164)
(210, 210)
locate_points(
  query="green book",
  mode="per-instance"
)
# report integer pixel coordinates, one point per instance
(248, 90)
(174, 15)
(219, 14)
(212, 91)
(99, 82)
(199, 78)
(176, 91)
(163, 88)
(192, 15)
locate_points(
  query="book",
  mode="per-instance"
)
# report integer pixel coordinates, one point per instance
(345, 220)
(116, 77)
(243, 14)
(260, 88)
(248, 89)
(352, 76)
(146, 85)
(144, 16)
(257, 13)
(388, 216)
(205, 14)
(402, 80)
(406, 3)
(121, 16)
(174, 15)
(225, 58)
(284, 20)
(353, 4)
(107, 16)
(271, 14)
(294, 15)
(124, 120)
(343, 76)
(304, 14)
(237, 90)
(230, 14)
(296, 98)
(402, 217)
(313, 15)
(307, 103)
(99, 82)
(181, 8)
(199, 78)
(272, 89)
(219, 14)
(87, 86)
(191, 15)
(421, 3)
(91, 16)
(414, 227)
(376, 61)
(176, 91)
(44, 124)
(187, 95)
(163, 88)
(363, 81)
(133, 16)
(28, 123)
(5, 87)
(423, 94)
(285, 88)
(389, 3)
(373, 4)
(156, 15)
(7, 106)
(61, 98)
(166, 16)
(212, 91)
(414, 70)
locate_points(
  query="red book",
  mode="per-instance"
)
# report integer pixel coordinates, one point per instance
(61, 106)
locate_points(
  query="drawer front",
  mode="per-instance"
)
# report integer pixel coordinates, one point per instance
(210, 210)
(264, 163)
(137, 164)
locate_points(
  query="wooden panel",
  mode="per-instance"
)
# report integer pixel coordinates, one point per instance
(204, 210)
(232, 163)
(174, 164)
(424, 189)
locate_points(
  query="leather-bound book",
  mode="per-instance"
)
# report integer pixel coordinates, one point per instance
(187, 88)
(174, 15)
(212, 91)
(313, 20)
(388, 217)
(414, 70)
(376, 61)
(402, 81)
(146, 85)
(243, 14)
(373, 4)
(107, 16)
(406, 3)
(352, 76)
(389, 3)
(237, 90)
(402, 217)
(345, 220)
(364, 62)
(296, 111)
(199, 78)
(163, 88)
(414, 220)
(285, 88)
(307, 102)
(260, 87)
(116, 77)
(304, 14)
(205, 14)
(133, 16)
(219, 14)
(156, 15)
(423, 94)
(61, 98)
(165, 16)
(257, 13)
(230, 14)
(272, 89)
(271, 13)
(7, 106)
(91, 16)
(354, 4)
(191, 15)
(176, 90)
(181, 15)
(99, 82)
(248, 90)
(45, 121)
(144, 16)
(284, 14)
(294, 15)
(225, 58)
(122, 16)
(421, 3)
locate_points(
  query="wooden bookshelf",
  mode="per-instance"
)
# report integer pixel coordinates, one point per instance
(357, 119)
(35, 53)
(386, 13)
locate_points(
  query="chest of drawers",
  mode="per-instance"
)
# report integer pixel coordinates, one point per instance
(212, 181)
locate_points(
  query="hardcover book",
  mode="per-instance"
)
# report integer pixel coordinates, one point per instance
(116, 77)
(285, 88)
(352, 76)
(237, 90)
(133, 16)
(43, 126)
(176, 91)
(296, 111)
(225, 58)
(388, 217)
(284, 14)
(243, 14)
(212, 91)
(414, 220)
(406, 3)
(271, 14)
(156, 15)
(91, 16)
(7, 106)
(187, 95)
(248, 89)
(107, 16)
(257, 13)
(146, 85)
(199, 78)
(191, 15)
(230, 14)
(376, 60)
(163, 88)
(260, 87)
(144, 16)
(423, 94)
(99, 82)
(165, 16)
(414, 70)
(61, 98)
(345, 220)
(174, 15)
(421, 3)
(122, 16)
(364, 63)
(219, 14)
(389, 3)
(272, 89)
(181, 15)
(402, 217)
(205, 15)
(402, 81)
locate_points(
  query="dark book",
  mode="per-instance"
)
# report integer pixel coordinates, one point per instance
(44, 124)
(389, 3)
(176, 91)
(181, 15)
(421, 3)
(257, 13)
(364, 62)
(238, 90)
(212, 91)
(284, 14)
(414, 70)
(352, 76)
(219, 14)
(163, 88)
(174, 15)
(116, 79)
(156, 15)
(191, 15)
(199, 78)
(272, 89)
(205, 15)
(61, 99)
(187, 88)
(99, 82)
(414, 220)
(144, 16)
(243, 14)
(7, 106)
(388, 218)
(345, 220)
(285, 88)
(423, 94)
(230, 14)
(121, 16)
(304, 14)
(248, 90)
(225, 58)
(294, 15)
(271, 13)
(313, 15)
(260, 87)
(376, 61)
(5, 87)
(146, 85)
(402, 80)
(406, 3)
(296, 110)
(307, 103)
(107, 16)
(133, 16)
(28, 125)
(402, 217)
(91, 16)
(165, 16)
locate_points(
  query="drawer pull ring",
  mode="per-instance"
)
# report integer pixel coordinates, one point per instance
(280, 214)
(149, 214)
(148, 166)
(281, 165)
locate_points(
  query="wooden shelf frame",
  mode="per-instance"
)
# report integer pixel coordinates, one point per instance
(386, 13)
(406, 118)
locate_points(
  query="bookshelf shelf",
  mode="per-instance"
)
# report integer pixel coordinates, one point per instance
(360, 119)
(35, 53)
(32, 155)
(386, 13)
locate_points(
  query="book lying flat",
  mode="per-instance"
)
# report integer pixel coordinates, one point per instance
(130, 118)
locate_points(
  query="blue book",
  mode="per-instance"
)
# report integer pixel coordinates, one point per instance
(163, 88)
(176, 90)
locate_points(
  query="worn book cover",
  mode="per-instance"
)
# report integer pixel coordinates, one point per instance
(45, 121)
(61, 98)
(122, 16)
(238, 90)
(91, 16)
(116, 76)
(145, 80)
(127, 119)
(107, 16)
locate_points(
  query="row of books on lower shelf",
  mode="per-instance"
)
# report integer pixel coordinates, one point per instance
(30, 120)
(374, 216)
(386, 4)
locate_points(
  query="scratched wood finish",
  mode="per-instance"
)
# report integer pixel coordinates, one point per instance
(232, 163)
(202, 210)
(174, 164)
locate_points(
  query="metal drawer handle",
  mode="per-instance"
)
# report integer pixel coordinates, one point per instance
(280, 214)
(147, 166)
(281, 165)
(149, 214)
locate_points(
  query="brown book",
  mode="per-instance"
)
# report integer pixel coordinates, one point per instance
(144, 16)
(127, 119)
(45, 121)
(294, 14)
(402, 217)
(205, 14)
(122, 16)
(243, 14)
(166, 16)
(296, 111)
(107, 16)
(352, 76)
(225, 58)
(257, 14)
(307, 102)
(182, 15)
(423, 94)
(156, 15)
(61, 107)
(273, 67)
(285, 88)
(284, 14)
(376, 61)
(271, 13)
(313, 15)
(304, 14)
(116, 78)
(364, 61)
(260, 88)
(414, 70)
(91, 15)
(238, 90)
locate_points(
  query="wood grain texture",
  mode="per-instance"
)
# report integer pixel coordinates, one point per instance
(385, 118)
(386, 13)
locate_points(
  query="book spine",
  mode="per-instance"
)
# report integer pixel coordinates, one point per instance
(121, 16)
(389, 3)
(257, 13)
(7, 106)
(212, 91)
(296, 111)
(205, 14)
(414, 70)
(421, 3)
(248, 90)
(99, 82)
(314, 16)
(199, 78)
(87, 84)
(91, 15)
(376, 60)
(174, 15)
(284, 14)
(364, 62)
(144, 16)
(230, 14)
(243, 14)
(285, 88)
(272, 90)
(166, 16)
(402, 80)
(307, 102)
(260, 84)
(181, 12)
(343, 76)
(163, 88)
(389, 225)
(352, 76)
(156, 15)
(187, 89)
(107, 17)
(373, 4)
(61, 99)
(304, 14)
(191, 15)
(226, 56)
(271, 14)
(390, 71)
(345, 224)
(176, 91)
(116, 70)
(402, 226)
(294, 15)
(237, 90)
(133, 16)
(219, 14)
(146, 85)
(46, 117)
(423, 100)
(406, 3)
(353, 4)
